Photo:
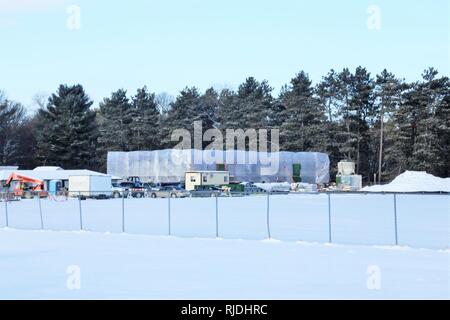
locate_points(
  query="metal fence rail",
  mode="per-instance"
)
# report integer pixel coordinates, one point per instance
(270, 213)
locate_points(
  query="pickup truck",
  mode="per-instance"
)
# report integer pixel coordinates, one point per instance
(133, 189)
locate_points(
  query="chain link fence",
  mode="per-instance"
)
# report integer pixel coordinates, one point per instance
(417, 220)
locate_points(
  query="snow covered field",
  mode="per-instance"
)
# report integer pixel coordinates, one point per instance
(242, 264)
(423, 220)
(73, 265)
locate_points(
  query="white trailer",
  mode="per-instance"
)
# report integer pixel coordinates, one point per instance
(90, 186)
(196, 179)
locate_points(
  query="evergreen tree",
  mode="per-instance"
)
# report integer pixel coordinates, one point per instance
(430, 99)
(388, 91)
(442, 114)
(356, 112)
(229, 115)
(303, 117)
(345, 138)
(208, 110)
(181, 115)
(328, 91)
(68, 131)
(363, 115)
(115, 118)
(255, 100)
(12, 125)
(144, 127)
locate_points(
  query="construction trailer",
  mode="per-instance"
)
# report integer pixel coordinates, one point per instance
(90, 186)
(198, 180)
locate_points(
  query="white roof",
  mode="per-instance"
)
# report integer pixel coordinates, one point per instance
(50, 174)
(8, 168)
(48, 168)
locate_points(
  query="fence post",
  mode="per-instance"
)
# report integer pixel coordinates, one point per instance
(329, 218)
(268, 215)
(81, 211)
(6, 211)
(123, 213)
(395, 219)
(217, 215)
(168, 214)
(40, 212)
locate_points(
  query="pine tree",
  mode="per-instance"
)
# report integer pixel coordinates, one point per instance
(115, 119)
(363, 115)
(12, 124)
(328, 91)
(430, 100)
(303, 117)
(388, 90)
(356, 111)
(442, 114)
(229, 115)
(68, 131)
(182, 115)
(207, 112)
(144, 127)
(345, 137)
(255, 100)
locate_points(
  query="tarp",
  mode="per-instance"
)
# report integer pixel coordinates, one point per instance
(170, 165)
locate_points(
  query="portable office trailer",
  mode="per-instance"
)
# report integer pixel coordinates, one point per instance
(90, 186)
(198, 179)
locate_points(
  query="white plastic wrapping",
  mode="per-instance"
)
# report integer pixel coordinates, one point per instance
(171, 165)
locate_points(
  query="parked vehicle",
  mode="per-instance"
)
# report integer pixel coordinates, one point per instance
(133, 189)
(208, 191)
(136, 180)
(170, 191)
(250, 188)
(149, 188)
(117, 191)
(26, 187)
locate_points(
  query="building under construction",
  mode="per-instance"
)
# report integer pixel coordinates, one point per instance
(170, 166)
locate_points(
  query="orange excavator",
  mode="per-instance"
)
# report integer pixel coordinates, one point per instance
(26, 187)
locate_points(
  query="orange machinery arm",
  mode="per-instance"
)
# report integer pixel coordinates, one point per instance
(23, 179)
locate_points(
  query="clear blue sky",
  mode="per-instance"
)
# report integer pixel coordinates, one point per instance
(170, 44)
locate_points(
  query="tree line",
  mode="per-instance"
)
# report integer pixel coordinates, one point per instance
(383, 123)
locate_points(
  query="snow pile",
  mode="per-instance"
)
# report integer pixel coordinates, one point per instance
(413, 181)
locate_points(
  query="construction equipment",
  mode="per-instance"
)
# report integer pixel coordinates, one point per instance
(26, 187)
(346, 179)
